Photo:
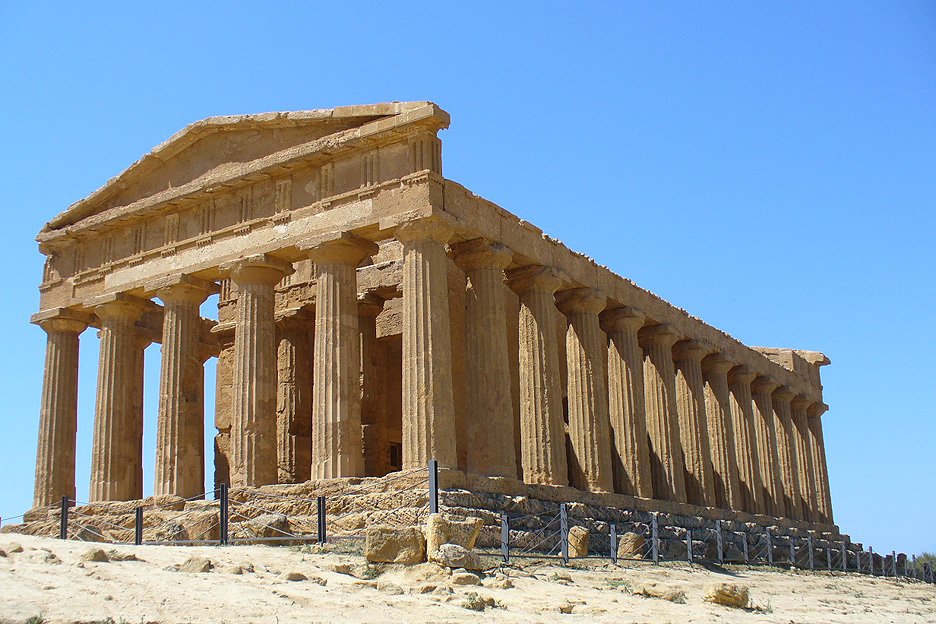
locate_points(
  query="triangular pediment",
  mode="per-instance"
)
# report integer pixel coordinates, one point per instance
(208, 148)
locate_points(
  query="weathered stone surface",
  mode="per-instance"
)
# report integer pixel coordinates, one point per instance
(630, 546)
(661, 590)
(195, 565)
(442, 529)
(465, 578)
(388, 544)
(95, 554)
(728, 594)
(455, 556)
(578, 542)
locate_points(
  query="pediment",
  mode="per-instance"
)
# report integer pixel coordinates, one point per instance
(208, 148)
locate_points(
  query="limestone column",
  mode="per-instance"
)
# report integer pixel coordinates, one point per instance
(542, 435)
(135, 426)
(589, 425)
(428, 403)
(626, 403)
(693, 427)
(180, 449)
(293, 399)
(58, 414)
(490, 413)
(783, 425)
(761, 390)
(375, 454)
(662, 414)
(820, 469)
(337, 449)
(804, 458)
(742, 419)
(253, 418)
(114, 464)
(715, 369)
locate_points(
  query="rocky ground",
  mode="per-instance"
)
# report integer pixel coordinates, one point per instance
(47, 580)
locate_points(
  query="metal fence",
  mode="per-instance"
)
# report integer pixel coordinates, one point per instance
(232, 516)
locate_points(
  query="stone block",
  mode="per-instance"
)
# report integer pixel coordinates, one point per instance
(387, 544)
(630, 546)
(455, 556)
(447, 529)
(578, 542)
(728, 594)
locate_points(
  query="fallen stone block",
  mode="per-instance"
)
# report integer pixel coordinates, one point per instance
(455, 556)
(728, 594)
(387, 544)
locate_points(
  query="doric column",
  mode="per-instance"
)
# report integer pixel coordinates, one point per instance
(715, 369)
(253, 418)
(761, 390)
(662, 414)
(294, 399)
(542, 436)
(143, 339)
(589, 427)
(804, 460)
(180, 449)
(783, 425)
(626, 403)
(337, 449)
(490, 415)
(693, 427)
(820, 468)
(114, 460)
(58, 414)
(375, 454)
(428, 403)
(742, 419)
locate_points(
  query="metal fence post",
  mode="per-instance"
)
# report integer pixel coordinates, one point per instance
(322, 537)
(828, 558)
(614, 542)
(505, 537)
(138, 527)
(744, 545)
(224, 516)
(871, 560)
(792, 551)
(812, 561)
(689, 545)
(433, 486)
(844, 558)
(655, 537)
(894, 562)
(564, 532)
(769, 546)
(63, 520)
(720, 542)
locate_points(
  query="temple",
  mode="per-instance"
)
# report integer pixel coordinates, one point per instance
(374, 315)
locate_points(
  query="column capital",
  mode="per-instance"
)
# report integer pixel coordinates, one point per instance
(121, 305)
(433, 229)
(369, 304)
(816, 410)
(800, 401)
(338, 248)
(764, 384)
(61, 320)
(783, 394)
(480, 253)
(741, 373)
(534, 277)
(257, 269)
(690, 349)
(581, 301)
(717, 363)
(625, 317)
(662, 334)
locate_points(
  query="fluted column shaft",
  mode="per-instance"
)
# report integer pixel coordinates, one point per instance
(428, 402)
(626, 404)
(58, 414)
(693, 427)
(253, 421)
(294, 401)
(783, 425)
(742, 419)
(589, 426)
(180, 448)
(761, 390)
(135, 425)
(542, 436)
(376, 456)
(114, 464)
(337, 449)
(662, 413)
(491, 449)
(820, 468)
(715, 369)
(804, 458)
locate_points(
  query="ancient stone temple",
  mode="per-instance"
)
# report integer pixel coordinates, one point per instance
(374, 315)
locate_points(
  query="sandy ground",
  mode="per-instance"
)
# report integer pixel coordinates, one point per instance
(49, 581)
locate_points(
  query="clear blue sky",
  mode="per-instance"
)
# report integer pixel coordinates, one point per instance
(767, 166)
